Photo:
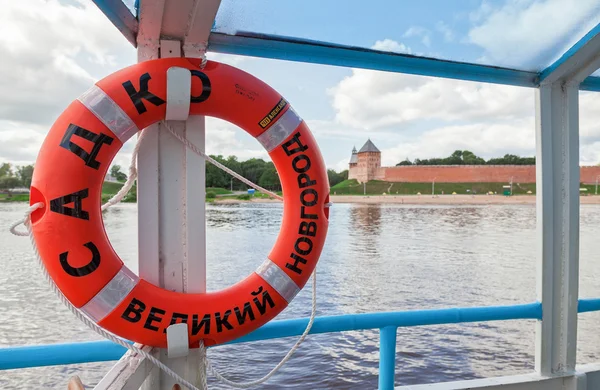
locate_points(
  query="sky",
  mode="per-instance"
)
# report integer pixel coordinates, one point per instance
(54, 50)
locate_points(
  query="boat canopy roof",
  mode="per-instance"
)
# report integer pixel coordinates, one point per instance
(505, 42)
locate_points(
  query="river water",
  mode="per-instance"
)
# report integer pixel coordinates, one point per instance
(376, 258)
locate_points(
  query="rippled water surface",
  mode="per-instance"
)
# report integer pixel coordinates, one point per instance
(377, 258)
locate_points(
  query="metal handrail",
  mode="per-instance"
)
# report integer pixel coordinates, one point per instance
(387, 322)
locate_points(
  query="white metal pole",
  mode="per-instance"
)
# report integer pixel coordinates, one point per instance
(557, 202)
(171, 201)
(173, 196)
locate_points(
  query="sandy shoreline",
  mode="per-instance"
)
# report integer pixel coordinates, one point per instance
(427, 199)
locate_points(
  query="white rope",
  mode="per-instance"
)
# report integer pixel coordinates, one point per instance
(246, 385)
(217, 164)
(131, 178)
(13, 227)
(83, 318)
(204, 361)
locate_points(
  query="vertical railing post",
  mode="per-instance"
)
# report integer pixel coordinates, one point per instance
(171, 201)
(387, 357)
(177, 207)
(557, 170)
(557, 179)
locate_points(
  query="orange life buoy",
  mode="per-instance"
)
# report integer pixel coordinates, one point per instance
(69, 230)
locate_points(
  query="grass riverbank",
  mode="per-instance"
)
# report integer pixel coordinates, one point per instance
(4, 198)
(377, 187)
(109, 189)
(350, 191)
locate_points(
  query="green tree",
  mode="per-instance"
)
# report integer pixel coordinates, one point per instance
(455, 158)
(5, 170)
(511, 159)
(335, 177)
(269, 178)
(459, 157)
(253, 169)
(233, 164)
(115, 172)
(344, 174)
(8, 182)
(24, 174)
(405, 162)
(215, 177)
(466, 157)
(469, 158)
(528, 160)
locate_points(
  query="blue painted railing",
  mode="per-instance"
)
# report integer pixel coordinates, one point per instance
(386, 322)
(327, 53)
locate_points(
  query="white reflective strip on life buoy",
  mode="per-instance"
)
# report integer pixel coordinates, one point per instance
(109, 112)
(179, 88)
(111, 295)
(280, 130)
(278, 279)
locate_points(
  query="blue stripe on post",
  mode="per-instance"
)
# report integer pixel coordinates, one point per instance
(387, 357)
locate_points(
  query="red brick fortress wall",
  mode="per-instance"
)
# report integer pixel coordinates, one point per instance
(472, 174)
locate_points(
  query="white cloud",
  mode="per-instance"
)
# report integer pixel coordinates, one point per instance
(372, 100)
(341, 165)
(531, 34)
(484, 139)
(417, 31)
(51, 53)
(484, 10)
(230, 59)
(334, 131)
(589, 154)
(20, 142)
(391, 46)
(589, 127)
(227, 139)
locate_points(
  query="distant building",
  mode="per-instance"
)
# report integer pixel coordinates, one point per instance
(365, 165)
(353, 158)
